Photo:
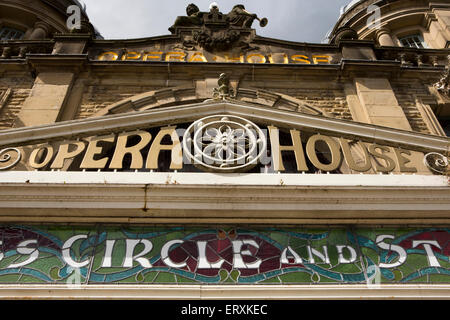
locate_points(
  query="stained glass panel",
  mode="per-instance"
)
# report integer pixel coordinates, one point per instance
(179, 255)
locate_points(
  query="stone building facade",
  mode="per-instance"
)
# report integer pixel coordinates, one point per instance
(246, 163)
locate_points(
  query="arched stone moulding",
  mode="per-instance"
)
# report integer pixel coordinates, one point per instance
(188, 95)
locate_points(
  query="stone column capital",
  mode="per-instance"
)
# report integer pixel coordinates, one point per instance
(382, 31)
(42, 25)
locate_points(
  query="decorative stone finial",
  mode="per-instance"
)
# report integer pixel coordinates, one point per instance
(225, 90)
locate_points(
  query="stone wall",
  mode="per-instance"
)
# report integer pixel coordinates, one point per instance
(406, 92)
(326, 96)
(97, 97)
(20, 86)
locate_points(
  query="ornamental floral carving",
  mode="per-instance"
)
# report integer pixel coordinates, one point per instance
(224, 144)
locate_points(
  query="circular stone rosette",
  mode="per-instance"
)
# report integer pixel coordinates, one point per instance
(7, 159)
(224, 144)
(436, 162)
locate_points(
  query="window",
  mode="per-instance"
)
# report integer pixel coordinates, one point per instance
(10, 34)
(413, 41)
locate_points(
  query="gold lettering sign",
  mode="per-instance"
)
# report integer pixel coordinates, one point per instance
(135, 151)
(317, 151)
(296, 147)
(350, 160)
(157, 147)
(175, 56)
(65, 154)
(182, 56)
(92, 150)
(389, 164)
(152, 56)
(299, 58)
(332, 145)
(37, 154)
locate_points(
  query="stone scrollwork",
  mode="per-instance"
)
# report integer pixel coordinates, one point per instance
(7, 158)
(224, 144)
(437, 163)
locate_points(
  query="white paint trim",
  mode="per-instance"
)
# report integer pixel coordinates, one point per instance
(251, 179)
(212, 292)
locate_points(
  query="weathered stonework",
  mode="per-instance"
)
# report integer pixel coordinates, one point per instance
(97, 97)
(216, 126)
(20, 88)
(406, 92)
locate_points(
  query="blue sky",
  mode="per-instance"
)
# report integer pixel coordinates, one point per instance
(295, 20)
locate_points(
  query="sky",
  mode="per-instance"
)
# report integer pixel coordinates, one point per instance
(294, 20)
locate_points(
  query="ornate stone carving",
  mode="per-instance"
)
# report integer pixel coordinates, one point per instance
(225, 90)
(224, 144)
(215, 31)
(443, 86)
(7, 160)
(219, 41)
(436, 162)
(193, 18)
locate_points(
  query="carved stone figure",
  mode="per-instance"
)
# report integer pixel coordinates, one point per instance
(215, 31)
(240, 18)
(443, 86)
(225, 90)
(193, 19)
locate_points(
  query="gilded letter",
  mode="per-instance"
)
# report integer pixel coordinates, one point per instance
(152, 56)
(299, 58)
(135, 151)
(402, 161)
(278, 58)
(197, 57)
(92, 150)
(336, 156)
(319, 59)
(234, 59)
(157, 147)
(260, 58)
(108, 56)
(132, 55)
(36, 153)
(175, 56)
(390, 164)
(277, 149)
(64, 153)
(348, 156)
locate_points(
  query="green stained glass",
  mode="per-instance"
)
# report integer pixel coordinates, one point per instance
(353, 254)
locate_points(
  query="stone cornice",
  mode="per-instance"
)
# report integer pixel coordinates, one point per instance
(57, 62)
(81, 197)
(228, 292)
